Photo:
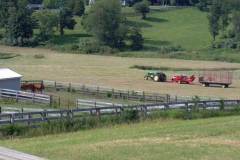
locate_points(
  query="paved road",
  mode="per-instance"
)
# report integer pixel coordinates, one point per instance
(9, 154)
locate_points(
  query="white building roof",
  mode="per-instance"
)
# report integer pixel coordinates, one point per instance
(6, 73)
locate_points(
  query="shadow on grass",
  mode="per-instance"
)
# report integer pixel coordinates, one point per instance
(156, 20)
(138, 24)
(68, 39)
(156, 42)
(154, 45)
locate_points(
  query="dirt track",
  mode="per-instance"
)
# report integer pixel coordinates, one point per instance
(111, 71)
(8, 154)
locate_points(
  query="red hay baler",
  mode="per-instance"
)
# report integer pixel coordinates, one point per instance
(183, 79)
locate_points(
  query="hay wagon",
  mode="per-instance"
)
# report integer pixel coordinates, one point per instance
(213, 78)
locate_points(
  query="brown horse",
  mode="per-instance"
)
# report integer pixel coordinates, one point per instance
(34, 87)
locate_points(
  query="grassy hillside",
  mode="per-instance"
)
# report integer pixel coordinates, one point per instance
(183, 29)
(210, 139)
(186, 27)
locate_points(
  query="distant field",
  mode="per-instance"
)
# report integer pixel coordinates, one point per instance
(209, 139)
(187, 27)
(112, 72)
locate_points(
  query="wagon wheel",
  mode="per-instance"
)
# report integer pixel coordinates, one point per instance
(156, 78)
(225, 86)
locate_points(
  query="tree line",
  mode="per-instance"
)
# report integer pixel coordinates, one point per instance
(104, 21)
(224, 23)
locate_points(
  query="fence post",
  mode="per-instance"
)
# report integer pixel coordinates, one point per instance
(143, 96)
(113, 93)
(59, 102)
(29, 119)
(33, 97)
(97, 90)
(51, 100)
(69, 87)
(168, 98)
(55, 85)
(16, 96)
(12, 118)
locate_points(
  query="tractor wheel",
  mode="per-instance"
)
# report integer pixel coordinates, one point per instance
(156, 79)
(162, 77)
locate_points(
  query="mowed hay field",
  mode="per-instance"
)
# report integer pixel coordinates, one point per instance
(207, 139)
(110, 71)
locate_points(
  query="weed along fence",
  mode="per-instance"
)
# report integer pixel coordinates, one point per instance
(108, 92)
(25, 96)
(30, 118)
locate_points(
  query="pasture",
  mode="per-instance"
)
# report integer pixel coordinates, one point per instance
(216, 138)
(113, 72)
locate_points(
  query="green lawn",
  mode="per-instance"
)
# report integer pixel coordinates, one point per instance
(185, 27)
(209, 139)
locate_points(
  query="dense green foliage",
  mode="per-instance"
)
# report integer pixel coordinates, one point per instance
(77, 6)
(47, 21)
(224, 21)
(16, 19)
(107, 23)
(142, 8)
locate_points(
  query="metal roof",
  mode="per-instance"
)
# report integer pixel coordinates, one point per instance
(6, 73)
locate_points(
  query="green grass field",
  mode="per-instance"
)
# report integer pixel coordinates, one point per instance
(186, 28)
(206, 139)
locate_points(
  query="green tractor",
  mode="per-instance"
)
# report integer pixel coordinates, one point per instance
(156, 76)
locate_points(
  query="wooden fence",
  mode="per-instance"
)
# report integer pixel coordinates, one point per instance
(43, 116)
(25, 96)
(119, 94)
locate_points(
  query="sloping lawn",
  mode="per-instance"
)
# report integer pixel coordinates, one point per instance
(209, 139)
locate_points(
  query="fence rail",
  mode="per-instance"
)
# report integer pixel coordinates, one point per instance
(119, 94)
(82, 103)
(43, 116)
(25, 96)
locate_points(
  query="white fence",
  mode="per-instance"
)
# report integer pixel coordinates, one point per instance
(25, 96)
(81, 103)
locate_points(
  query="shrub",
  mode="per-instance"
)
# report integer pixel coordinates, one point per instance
(39, 56)
(130, 115)
(13, 130)
(136, 39)
(143, 8)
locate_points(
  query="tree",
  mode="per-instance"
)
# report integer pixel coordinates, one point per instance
(66, 20)
(51, 4)
(47, 20)
(17, 22)
(77, 6)
(65, 13)
(236, 24)
(105, 21)
(214, 17)
(142, 8)
(136, 39)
